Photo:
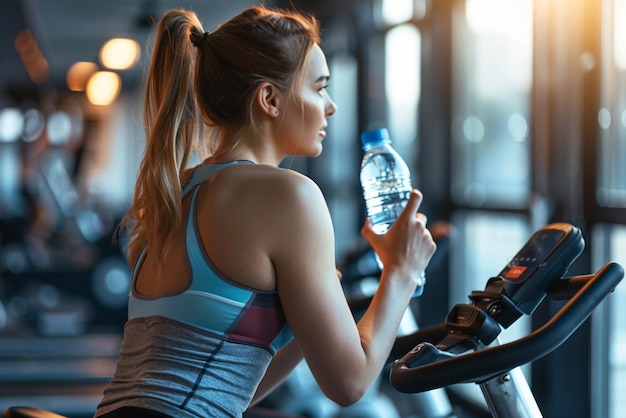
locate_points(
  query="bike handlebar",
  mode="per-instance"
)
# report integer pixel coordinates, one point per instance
(481, 365)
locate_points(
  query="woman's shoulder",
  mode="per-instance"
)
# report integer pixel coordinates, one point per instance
(271, 201)
(258, 186)
(263, 178)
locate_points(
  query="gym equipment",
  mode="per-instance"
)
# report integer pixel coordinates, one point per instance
(465, 348)
(71, 254)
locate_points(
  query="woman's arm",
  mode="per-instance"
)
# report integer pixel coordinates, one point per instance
(285, 360)
(344, 357)
(283, 363)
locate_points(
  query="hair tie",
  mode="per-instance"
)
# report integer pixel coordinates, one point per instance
(198, 40)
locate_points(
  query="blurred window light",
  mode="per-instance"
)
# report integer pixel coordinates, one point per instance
(503, 16)
(402, 80)
(474, 129)
(79, 73)
(518, 127)
(396, 11)
(611, 180)
(120, 53)
(33, 125)
(619, 41)
(103, 88)
(503, 45)
(617, 317)
(59, 128)
(110, 282)
(604, 118)
(10, 182)
(11, 124)
(493, 74)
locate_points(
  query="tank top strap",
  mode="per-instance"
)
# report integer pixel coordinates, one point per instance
(200, 174)
(203, 172)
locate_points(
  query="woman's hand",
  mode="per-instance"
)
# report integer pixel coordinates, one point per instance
(408, 245)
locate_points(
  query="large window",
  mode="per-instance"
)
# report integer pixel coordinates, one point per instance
(402, 86)
(493, 75)
(617, 349)
(610, 238)
(492, 70)
(612, 115)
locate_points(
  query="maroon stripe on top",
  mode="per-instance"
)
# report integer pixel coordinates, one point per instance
(259, 325)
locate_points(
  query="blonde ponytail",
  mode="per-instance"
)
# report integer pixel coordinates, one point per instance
(257, 45)
(172, 125)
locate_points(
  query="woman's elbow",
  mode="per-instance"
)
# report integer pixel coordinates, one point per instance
(346, 396)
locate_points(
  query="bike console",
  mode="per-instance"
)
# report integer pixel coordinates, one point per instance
(521, 286)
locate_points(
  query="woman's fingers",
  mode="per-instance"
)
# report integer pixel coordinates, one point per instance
(415, 200)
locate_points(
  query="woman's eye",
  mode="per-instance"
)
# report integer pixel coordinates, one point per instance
(322, 91)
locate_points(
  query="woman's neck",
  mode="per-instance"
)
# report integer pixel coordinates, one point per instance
(256, 157)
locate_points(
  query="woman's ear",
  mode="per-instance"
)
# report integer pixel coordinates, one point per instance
(268, 99)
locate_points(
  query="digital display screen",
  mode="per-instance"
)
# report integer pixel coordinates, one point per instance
(537, 249)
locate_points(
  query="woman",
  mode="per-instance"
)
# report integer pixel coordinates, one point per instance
(233, 257)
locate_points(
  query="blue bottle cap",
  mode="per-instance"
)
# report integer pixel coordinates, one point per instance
(375, 136)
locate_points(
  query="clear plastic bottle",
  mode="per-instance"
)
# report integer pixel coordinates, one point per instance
(385, 178)
(386, 183)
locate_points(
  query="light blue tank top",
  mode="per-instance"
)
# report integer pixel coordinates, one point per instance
(213, 302)
(200, 353)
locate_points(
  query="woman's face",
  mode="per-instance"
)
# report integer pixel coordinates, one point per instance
(304, 121)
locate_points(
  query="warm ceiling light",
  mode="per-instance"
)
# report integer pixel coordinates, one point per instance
(119, 53)
(35, 63)
(103, 88)
(78, 75)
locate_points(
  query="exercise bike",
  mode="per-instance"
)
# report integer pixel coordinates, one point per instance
(465, 347)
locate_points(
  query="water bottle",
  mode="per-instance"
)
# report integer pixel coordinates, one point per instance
(386, 183)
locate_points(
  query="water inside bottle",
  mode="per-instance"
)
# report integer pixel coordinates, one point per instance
(385, 201)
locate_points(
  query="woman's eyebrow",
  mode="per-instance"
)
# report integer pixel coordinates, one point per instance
(324, 78)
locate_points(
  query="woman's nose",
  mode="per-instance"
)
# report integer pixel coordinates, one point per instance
(331, 107)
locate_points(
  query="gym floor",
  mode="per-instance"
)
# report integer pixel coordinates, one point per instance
(62, 374)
